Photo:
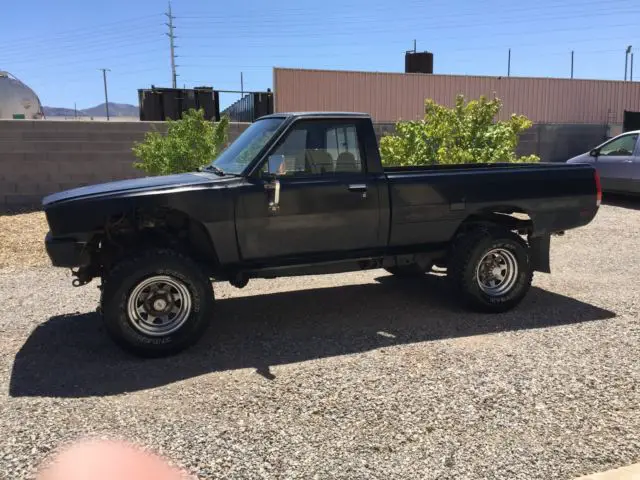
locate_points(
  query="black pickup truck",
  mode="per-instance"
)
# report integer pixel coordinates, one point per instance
(300, 194)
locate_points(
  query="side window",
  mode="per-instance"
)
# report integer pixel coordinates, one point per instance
(623, 146)
(320, 148)
(293, 150)
(342, 145)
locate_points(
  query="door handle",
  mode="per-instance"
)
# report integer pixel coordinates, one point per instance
(358, 187)
(274, 202)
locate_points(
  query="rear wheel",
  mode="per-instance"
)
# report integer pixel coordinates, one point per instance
(491, 270)
(157, 303)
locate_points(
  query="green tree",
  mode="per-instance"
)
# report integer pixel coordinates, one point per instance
(190, 143)
(466, 133)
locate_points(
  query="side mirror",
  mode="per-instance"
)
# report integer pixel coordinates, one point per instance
(275, 165)
(594, 152)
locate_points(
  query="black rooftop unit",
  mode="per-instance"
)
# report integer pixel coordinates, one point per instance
(418, 62)
(160, 104)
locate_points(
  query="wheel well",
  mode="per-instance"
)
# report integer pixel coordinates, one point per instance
(508, 218)
(514, 219)
(159, 227)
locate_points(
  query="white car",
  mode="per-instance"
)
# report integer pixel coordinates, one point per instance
(617, 161)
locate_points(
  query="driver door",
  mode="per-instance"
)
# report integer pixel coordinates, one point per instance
(615, 163)
(328, 202)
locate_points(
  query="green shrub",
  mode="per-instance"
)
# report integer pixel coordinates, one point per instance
(189, 144)
(466, 133)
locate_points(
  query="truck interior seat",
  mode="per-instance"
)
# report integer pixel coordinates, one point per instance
(346, 162)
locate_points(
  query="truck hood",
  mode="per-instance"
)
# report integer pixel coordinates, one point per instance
(135, 185)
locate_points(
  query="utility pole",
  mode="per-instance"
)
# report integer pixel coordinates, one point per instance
(106, 97)
(509, 64)
(75, 110)
(415, 46)
(626, 61)
(172, 45)
(241, 86)
(571, 63)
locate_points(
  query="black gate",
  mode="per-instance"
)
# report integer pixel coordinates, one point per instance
(250, 107)
(631, 121)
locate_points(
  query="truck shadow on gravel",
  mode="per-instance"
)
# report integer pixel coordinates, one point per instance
(622, 201)
(71, 356)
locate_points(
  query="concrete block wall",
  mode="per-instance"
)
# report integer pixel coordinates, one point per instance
(551, 142)
(559, 142)
(41, 157)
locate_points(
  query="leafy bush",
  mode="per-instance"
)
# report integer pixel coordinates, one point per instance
(190, 143)
(465, 133)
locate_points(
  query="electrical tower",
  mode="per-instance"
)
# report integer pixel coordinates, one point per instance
(172, 45)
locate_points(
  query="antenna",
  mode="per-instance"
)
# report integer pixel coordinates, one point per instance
(571, 63)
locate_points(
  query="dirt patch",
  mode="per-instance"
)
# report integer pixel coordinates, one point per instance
(22, 240)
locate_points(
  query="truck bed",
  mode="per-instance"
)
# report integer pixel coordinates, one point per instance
(470, 166)
(428, 203)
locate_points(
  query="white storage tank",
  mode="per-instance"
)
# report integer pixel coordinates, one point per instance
(17, 101)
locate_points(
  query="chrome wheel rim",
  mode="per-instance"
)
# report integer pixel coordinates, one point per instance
(497, 272)
(159, 305)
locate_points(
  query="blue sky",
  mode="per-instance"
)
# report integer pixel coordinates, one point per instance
(58, 47)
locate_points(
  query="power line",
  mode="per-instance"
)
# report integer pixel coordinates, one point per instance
(72, 78)
(350, 34)
(88, 55)
(360, 19)
(95, 42)
(94, 59)
(81, 32)
(306, 13)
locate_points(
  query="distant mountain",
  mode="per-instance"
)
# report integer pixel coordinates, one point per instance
(115, 110)
(58, 112)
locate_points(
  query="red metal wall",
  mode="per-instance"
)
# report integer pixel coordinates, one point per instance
(389, 97)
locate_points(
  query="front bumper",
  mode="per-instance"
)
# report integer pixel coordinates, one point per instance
(66, 252)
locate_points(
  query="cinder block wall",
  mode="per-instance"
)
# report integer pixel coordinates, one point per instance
(41, 157)
(551, 142)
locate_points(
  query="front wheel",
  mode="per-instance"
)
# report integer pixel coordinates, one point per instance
(157, 303)
(491, 270)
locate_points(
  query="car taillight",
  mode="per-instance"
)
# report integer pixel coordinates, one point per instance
(598, 188)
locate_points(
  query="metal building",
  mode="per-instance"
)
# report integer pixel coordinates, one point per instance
(390, 97)
(18, 101)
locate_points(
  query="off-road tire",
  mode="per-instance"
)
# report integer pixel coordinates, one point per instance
(467, 253)
(123, 278)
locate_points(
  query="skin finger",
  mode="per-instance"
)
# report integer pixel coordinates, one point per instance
(108, 460)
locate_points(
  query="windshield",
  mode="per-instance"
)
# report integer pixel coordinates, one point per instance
(241, 152)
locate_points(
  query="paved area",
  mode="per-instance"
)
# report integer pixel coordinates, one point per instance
(630, 472)
(349, 376)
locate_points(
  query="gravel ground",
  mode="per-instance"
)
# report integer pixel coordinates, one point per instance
(21, 235)
(347, 376)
